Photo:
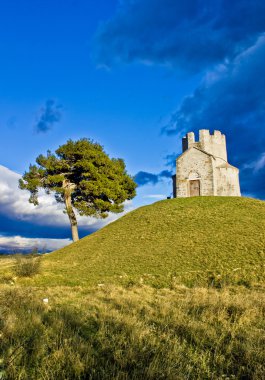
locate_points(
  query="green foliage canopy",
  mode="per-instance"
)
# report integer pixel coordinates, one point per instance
(82, 176)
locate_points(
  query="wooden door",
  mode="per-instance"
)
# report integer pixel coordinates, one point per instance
(194, 188)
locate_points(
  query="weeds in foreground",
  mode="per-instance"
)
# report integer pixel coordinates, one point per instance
(27, 265)
(134, 333)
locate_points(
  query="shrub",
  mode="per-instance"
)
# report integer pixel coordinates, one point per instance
(27, 265)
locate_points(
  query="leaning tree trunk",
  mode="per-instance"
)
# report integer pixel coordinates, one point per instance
(69, 209)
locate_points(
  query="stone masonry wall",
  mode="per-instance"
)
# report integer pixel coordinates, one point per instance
(194, 165)
(226, 181)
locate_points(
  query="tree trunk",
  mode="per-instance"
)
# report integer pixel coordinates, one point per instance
(69, 209)
(74, 232)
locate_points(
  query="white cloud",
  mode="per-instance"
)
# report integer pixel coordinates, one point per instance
(256, 165)
(14, 204)
(19, 243)
(154, 196)
(260, 163)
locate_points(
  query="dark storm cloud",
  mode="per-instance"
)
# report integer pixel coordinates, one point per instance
(232, 99)
(170, 160)
(145, 178)
(192, 34)
(51, 113)
(23, 236)
(13, 227)
(225, 41)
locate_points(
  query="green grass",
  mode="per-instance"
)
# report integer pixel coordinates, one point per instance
(137, 333)
(174, 290)
(192, 241)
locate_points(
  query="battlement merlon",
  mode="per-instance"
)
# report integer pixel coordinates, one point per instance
(214, 144)
(188, 141)
(217, 137)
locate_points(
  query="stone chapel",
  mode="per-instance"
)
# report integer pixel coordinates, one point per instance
(202, 168)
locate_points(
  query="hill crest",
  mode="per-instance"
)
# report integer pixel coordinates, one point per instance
(174, 237)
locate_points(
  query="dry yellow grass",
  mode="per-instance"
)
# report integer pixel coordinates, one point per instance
(137, 333)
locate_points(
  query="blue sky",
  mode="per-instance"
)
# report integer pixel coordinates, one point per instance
(134, 75)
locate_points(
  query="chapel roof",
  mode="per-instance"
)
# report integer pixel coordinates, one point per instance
(199, 149)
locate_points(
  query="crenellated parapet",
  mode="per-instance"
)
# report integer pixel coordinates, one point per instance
(214, 144)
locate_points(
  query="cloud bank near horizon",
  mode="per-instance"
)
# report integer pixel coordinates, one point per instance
(24, 223)
(16, 244)
(224, 41)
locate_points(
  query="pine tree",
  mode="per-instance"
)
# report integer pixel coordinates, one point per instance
(84, 178)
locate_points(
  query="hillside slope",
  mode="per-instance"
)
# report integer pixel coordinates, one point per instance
(179, 238)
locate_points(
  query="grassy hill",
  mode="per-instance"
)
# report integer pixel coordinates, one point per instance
(190, 240)
(142, 332)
